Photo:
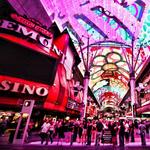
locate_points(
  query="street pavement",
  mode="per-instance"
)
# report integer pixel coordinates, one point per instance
(35, 144)
(64, 147)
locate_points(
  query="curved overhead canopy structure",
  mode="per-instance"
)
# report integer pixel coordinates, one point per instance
(118, 20)
(114, 33)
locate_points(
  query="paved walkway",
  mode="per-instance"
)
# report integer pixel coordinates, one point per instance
(54, 147)
(35, 144)
(135, 144)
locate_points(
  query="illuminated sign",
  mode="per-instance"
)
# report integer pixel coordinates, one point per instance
(31, 31)
(31, 25)
(25, 31)
(17, 87)
(22, 62)
(27, 103)
(72, 105)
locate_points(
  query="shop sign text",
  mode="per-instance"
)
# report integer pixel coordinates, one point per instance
(17, 87)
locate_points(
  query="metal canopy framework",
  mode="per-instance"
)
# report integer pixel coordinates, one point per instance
(109, 31)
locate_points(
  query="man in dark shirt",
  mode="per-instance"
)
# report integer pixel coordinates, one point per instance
(121, 133)
(89, 132)
(142, 129)
(99, 128)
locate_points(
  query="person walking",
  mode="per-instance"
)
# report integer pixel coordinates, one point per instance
(80, 130)
(69, 134)
(3, 126)
(84, 134)
(131, 129)
(51, 130)
(114, 130)
(89, 132)
(121, 133)
(93, 131)
(142, 129)
(75, 131)
(99, 129)
(61, 135)
(127, 131)
(44, 131)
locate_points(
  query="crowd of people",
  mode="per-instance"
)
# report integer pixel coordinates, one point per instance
(88, 131)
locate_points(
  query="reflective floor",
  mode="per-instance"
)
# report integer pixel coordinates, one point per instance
(52, 147)
(35, 144)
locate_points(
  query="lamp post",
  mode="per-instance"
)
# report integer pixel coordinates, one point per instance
(132, 78)
(85, 91)
(86, 63)
(132, 65)
(132, 81)
(132, 93)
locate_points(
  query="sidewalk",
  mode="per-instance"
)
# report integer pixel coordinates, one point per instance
(66, 147)
(35, 141)
(135, 144)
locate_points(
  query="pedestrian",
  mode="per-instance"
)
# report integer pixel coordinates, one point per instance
(84, 134)
(89, 132)
(93, 131)
(114, 130)
(131, 130)
(3, 126)
(13, 126)
(142, 129)
(127, 131)
(69, 131)
(44, 131)
(121, 133)
(75, 130)
(80, 130)
(61, 134)
(99, 130)
(51, 130)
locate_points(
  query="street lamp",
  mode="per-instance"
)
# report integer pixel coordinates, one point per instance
(132, 65)
(87, 64)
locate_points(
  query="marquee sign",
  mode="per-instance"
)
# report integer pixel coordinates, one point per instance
(24, 31)
(31, 25)
(31, 31)
(6, 85)
(72, 105)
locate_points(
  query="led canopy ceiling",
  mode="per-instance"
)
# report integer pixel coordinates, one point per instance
(109, 30)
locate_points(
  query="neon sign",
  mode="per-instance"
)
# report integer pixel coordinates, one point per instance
(25, 31)
(17, 87)
(31, 31)
(31, 25)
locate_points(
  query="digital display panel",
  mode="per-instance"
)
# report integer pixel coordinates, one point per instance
(21, 62)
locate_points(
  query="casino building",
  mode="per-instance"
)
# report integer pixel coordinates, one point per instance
(74, 57)
(40, 64)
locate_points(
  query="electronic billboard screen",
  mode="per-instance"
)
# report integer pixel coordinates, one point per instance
(22, 62)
